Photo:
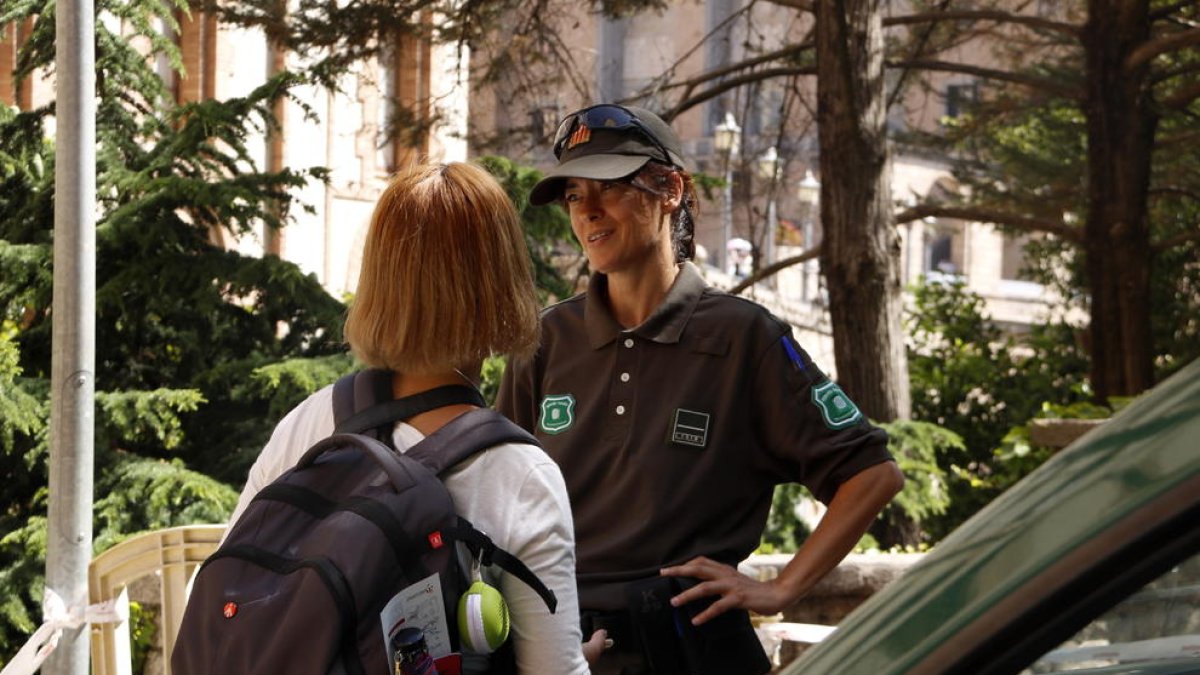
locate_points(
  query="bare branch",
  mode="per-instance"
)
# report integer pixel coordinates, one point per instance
(1068, 29)
(774, 268)
(789, 51)
(802, 5)
(721, 87)
(918, 52)
(1168, 43)
(1178, 240)
(1032, 81)
(658, 85)
(982, 215)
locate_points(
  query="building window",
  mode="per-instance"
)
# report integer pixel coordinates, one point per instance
(960, 99)
(944, 250)
(1012, 262)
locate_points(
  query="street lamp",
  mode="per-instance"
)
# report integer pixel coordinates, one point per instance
(809, 194)
(727, 137)
(768, 165)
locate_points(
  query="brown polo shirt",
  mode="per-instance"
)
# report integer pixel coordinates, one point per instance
(672, 435)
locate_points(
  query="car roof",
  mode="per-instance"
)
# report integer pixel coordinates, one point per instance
(1148, 450)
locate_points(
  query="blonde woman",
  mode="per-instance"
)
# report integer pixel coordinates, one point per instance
(446, 281)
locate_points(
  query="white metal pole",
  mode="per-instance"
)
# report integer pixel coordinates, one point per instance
(69, 545)
(726, 214)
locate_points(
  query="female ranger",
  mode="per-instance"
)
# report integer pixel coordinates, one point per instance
(673, 410)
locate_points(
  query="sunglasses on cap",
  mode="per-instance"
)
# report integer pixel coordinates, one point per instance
(604, 116)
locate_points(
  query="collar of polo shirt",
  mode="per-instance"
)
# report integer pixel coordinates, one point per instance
(664, 326)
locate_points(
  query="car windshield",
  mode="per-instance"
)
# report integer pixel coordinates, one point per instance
(1160, 622)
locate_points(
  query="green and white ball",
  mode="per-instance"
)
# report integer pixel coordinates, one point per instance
(482, 619)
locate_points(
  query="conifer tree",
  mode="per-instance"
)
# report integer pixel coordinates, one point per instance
(197, 348)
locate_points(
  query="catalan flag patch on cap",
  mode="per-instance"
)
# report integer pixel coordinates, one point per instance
(581, 135)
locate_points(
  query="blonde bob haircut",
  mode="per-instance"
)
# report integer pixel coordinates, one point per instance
(446, 278)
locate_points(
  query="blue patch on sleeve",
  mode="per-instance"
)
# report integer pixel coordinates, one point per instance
(793, 354)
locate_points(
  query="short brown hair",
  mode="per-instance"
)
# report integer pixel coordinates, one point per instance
(446, 278)
(653, 179)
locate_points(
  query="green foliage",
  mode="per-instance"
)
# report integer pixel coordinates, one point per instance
(286, 383)
(142, 494)
(785, 531)
(1028, 155)
(917, 447)
(547, 228)
(489, 377)
(145, 417)
(24, 413)
(139, 494)
(143, 634)
(197, 347)
(1017, 455)
(23, 554)
(21, 414)
(970, 378)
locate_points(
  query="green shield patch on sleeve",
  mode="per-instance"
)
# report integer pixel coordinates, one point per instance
(836, 408)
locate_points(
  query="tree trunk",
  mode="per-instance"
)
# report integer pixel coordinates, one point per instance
(1120, 126)
(860, 255)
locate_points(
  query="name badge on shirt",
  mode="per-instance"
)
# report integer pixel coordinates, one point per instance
(689, 427)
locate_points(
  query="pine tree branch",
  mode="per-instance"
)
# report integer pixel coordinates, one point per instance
(1032, 81)
(1172, 73)
(1167, 11)
(1182, 98)
(774, 268)
(1147, 51)
(1176, 190)
(982, 215)
(1060, 27)
(1178, 240)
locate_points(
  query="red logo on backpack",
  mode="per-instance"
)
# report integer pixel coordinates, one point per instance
(435, 539)
(230, 610)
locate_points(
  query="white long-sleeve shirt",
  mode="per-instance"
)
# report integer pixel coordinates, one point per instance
(513, 492)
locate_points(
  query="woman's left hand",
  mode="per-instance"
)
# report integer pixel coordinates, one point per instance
(735, 589)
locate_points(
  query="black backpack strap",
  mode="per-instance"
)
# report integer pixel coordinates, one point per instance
(457, 440)
(381, 416)
(363, 403)
(358, 391)
(482, 547)
(466, 435)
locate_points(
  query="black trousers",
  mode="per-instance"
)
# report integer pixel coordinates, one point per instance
(629, 656)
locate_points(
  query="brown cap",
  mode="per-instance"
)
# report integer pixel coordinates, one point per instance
(607, 142)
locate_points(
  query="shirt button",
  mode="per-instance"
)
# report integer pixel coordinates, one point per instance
(620, 410)
(629, 342)
(624, 377)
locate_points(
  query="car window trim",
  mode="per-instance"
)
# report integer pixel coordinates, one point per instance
(1079, 582)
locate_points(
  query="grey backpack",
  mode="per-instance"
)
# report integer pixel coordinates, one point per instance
(303, 578)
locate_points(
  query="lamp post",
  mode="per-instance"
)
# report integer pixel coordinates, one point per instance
(768, 165)
(809, 194)
(727, 138)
